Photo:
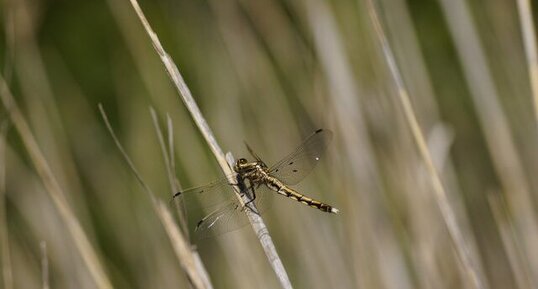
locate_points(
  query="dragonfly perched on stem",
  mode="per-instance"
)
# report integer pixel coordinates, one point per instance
(257, 181)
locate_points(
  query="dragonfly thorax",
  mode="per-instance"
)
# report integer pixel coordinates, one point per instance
(254, 171)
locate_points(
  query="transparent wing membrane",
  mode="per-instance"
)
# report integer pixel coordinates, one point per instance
(207, 196)
(222, 220)
(297, 165)
(231, 216)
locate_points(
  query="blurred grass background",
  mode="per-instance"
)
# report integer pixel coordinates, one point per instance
(270, 72)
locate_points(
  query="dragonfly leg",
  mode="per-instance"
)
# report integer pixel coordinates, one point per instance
(253, 191)
(242, 192)
(253, 196)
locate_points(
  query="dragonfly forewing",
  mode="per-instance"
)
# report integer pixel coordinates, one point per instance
(207, 196)
(298, 164)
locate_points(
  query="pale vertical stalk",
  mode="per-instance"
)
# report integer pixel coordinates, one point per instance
(190, 262)
(183, 91)
(529, 40)
(180, 244)
(428, 246)
(186, 96)
(494, 124)
(176, 185)
(82, 243)
(43, 113)
(244, 50)
(470, 265)
(7, 271)
(168, 157)
(431, 247)
(262, 233)
(9, 30)
(44, 266)
(365, 209)
(509, 240)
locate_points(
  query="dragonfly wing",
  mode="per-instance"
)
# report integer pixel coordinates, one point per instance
(231, 216)
(225, 219)
(207, 196)
(297, 165)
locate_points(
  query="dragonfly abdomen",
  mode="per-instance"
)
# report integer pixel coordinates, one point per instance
(284, 190)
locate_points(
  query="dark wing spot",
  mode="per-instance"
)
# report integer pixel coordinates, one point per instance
(276, 170)
(177, 194)
(294, 171)
(319, 130)
(199, 223)
(291, 163)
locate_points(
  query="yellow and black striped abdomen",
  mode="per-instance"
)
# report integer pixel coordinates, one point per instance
(277, 186)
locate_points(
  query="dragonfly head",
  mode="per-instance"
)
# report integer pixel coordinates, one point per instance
(241, 164)
(244, 166)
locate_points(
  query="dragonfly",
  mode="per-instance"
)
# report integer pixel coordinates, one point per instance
(258, 181)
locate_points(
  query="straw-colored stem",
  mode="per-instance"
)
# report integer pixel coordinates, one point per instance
(188, 100)
(54, 189)
(164, 151)
(179, 243)
(9, 30)
(469, 264)
(7, 271)
(509, 240)
(44, 266)
(529, 41)
(495, 126)
(369, 254)
(168, 157)
(168, 163)
(190, 261)
(262, 233)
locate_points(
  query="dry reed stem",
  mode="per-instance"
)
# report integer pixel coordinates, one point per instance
(179, 243)
(265, 239)
(529, 41)
(398, 23)
(42, 111)
(371, 250)
(242, 46)
(7, 271)
(44, 265)
(201, 123)
(168, 156)
(190, 261)
(462, 248)
(54, 189)
(494, 124)
(509, 240)
(9, 32)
